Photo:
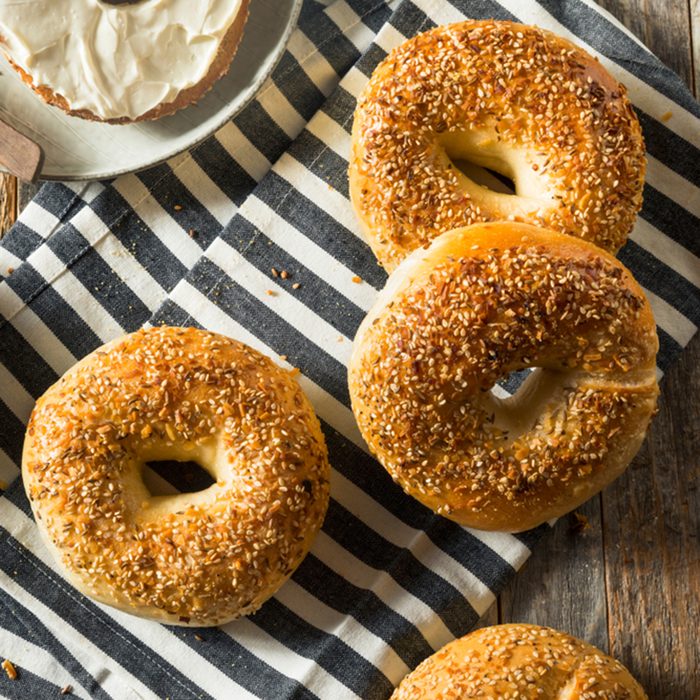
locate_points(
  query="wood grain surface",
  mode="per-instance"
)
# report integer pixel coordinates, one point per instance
(8, 202)
(626, 574)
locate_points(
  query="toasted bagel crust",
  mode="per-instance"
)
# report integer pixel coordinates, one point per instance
(177, 394)
(510, 97)
(482, 302)
(519, 661)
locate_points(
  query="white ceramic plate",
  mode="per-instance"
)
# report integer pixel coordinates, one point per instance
(76, 149)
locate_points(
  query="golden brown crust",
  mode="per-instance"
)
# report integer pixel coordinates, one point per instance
(482, 302)
(519, 661)
(185, 394)
(509, 97)
(219, 68)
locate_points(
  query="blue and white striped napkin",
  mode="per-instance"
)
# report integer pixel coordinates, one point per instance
(194, 241)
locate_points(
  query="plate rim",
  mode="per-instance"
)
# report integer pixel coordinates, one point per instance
(226, 116)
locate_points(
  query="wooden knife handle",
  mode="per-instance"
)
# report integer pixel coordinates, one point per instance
(19, 154)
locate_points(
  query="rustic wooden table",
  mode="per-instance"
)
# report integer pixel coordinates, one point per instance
(629, 581)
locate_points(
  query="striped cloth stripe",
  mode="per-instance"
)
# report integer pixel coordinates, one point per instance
(386, 581)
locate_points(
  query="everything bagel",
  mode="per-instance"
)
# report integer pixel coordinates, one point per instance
(177, 394)
(509, 97)
(482, 302)
(526, 662)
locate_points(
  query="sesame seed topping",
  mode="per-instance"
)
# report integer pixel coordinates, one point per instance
(501, 93)
(422, 373)
(178, 394)
(519, 662)
(10, 669)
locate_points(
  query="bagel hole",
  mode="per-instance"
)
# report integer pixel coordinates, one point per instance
(519, 400)
(486, 177)
(167, 477)
(510, 385)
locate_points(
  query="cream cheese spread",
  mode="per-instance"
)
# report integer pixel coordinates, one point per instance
(115, 60)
